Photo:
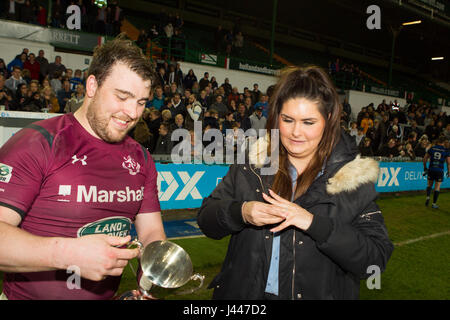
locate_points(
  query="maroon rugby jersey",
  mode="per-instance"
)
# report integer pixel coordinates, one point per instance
(66, 183)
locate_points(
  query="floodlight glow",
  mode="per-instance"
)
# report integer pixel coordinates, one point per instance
(437, 58)
(411, 22)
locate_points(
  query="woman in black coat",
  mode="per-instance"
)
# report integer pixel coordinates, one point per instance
(303, 221)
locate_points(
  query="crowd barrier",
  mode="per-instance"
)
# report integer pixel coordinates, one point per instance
(183, 186)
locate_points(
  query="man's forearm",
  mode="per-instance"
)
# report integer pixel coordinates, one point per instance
(21, 251)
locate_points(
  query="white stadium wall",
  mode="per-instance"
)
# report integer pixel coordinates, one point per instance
(239, 79)
(10, 48)
(359, 100)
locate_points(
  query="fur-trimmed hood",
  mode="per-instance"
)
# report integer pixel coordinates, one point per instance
(353, 171)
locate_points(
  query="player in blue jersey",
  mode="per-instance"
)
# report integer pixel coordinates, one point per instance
(437, 155)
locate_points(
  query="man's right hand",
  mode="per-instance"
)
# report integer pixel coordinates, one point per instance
(97, 256)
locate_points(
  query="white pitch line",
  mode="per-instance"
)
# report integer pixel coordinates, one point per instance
(434, 235)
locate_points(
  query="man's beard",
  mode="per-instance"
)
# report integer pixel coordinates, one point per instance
(99, 124)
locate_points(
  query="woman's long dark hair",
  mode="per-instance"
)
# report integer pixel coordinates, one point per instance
(311, 83)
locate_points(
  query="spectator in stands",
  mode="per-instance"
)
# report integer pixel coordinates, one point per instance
(194, 112)
(232, 106)
(26, 75)
(214, 84)
(359, 135)
(204, 81)
(21, 98)
(173, 89)
(76, 79)
(195, 88)
(233, 95)
(446, 131)
(142, 39)
(264, 104)
(219, 38)
(42, 16)
(412, 139)
(34, 87)
(56, 66)
(142, 133)
(35, 104)
(389, 150)
(153, 123)
(57, 14)
(158, 98)
(249, 105)
(353, 129)
(241, 117)
(238, 43)
(258, 121)
(347, 109)
(211, 120)
(227, 124)
(26, 12)
(203, 99)
(153, 32)
(6, 96)
(178, 106)
(408, 151)
(374, 133)
(413, 128)
(256, 93)
(3, 70)
(32, 65)
(365, 148)
(189, 79)
(16, 78)
(100, 22)
(76, 100)
(366, 122)
(395, 132)
(43, 65)
(219, 106)
(50, 101)
(13, 13)
(18, 61)
(162, 77)
(177, 124)
(432, 130)
(164, 144)
(56, 81)
(64, 95)
(227, 87)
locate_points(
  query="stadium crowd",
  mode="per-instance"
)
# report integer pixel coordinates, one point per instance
(104, 20)
(32, 83)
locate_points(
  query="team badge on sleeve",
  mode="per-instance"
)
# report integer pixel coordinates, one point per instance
(5, 172)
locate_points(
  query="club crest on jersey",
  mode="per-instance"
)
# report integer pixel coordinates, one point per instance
(131, 165)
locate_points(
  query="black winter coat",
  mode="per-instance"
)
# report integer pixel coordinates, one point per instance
(326, 261)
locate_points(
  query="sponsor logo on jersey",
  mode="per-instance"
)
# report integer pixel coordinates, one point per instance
(5, 172)
(83, 159)
(131, 165)
(112, 226)
(94, 195)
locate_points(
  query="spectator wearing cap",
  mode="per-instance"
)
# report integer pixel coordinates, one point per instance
(257, 120)
(264, 104)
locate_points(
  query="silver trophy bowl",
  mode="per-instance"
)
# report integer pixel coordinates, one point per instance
(166, 266)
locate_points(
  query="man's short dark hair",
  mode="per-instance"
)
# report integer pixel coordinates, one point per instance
(119, 50)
